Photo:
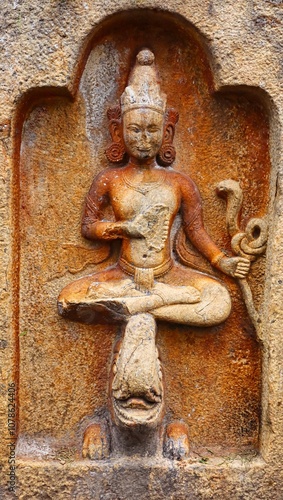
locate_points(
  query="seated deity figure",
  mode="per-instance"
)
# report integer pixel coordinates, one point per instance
(145, 196)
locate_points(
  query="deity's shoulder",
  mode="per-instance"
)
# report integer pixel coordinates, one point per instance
(103, 180)
(182, 180)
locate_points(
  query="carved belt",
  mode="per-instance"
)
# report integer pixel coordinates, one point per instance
(144, 276)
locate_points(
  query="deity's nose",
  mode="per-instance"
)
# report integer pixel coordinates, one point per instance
(145, 136)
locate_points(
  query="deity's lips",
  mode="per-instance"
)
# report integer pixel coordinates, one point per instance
(141, 150)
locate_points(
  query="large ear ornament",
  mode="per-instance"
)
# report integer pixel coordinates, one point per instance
(167, 152)
(115, 152)
(166, 155)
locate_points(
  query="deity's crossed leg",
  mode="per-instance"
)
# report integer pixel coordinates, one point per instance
(112, 295)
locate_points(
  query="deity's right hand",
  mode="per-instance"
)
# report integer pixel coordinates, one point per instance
(114, 230)
(121, 230)
(132, 229)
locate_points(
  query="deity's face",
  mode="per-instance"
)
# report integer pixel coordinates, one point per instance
(143, 133)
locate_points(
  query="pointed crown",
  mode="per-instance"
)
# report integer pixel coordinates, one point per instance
(143, 90)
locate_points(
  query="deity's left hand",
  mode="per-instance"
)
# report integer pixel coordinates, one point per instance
(237, 267)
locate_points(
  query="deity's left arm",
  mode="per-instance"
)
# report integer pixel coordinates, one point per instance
(191, 209)
(237, 267)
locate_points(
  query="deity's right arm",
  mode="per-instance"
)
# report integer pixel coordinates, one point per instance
(93, 224)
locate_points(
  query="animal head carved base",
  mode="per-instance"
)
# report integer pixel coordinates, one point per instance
(136, 387)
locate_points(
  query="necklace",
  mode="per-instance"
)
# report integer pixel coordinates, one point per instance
(145, 187)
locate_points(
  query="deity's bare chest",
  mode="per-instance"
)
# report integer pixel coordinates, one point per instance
(129, 201)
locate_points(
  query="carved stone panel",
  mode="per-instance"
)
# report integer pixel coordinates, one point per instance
(210, 379)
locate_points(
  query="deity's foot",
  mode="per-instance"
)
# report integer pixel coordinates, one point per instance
(176, 442)
(96, 442)
(111, 288)
(172, 294)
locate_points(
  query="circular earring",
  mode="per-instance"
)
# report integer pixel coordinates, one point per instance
(115, 152)
(166, 154)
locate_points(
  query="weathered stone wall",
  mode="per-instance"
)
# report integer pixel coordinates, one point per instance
(45, 47)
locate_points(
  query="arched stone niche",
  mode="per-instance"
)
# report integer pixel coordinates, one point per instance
(213, 375)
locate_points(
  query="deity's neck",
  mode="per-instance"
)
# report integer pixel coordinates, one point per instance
(142, 164)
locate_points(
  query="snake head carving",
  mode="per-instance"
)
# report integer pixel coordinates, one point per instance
(248, 243)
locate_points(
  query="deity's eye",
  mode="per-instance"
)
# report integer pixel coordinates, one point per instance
(133, 128)
(153, 128)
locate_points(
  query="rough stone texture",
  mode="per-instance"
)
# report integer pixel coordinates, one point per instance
(61, 380)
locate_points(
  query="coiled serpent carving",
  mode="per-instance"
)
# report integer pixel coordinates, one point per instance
(249, 243)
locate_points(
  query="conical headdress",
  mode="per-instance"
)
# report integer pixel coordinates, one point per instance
(143, 90)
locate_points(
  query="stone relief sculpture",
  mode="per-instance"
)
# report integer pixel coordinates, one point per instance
(146, 284)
